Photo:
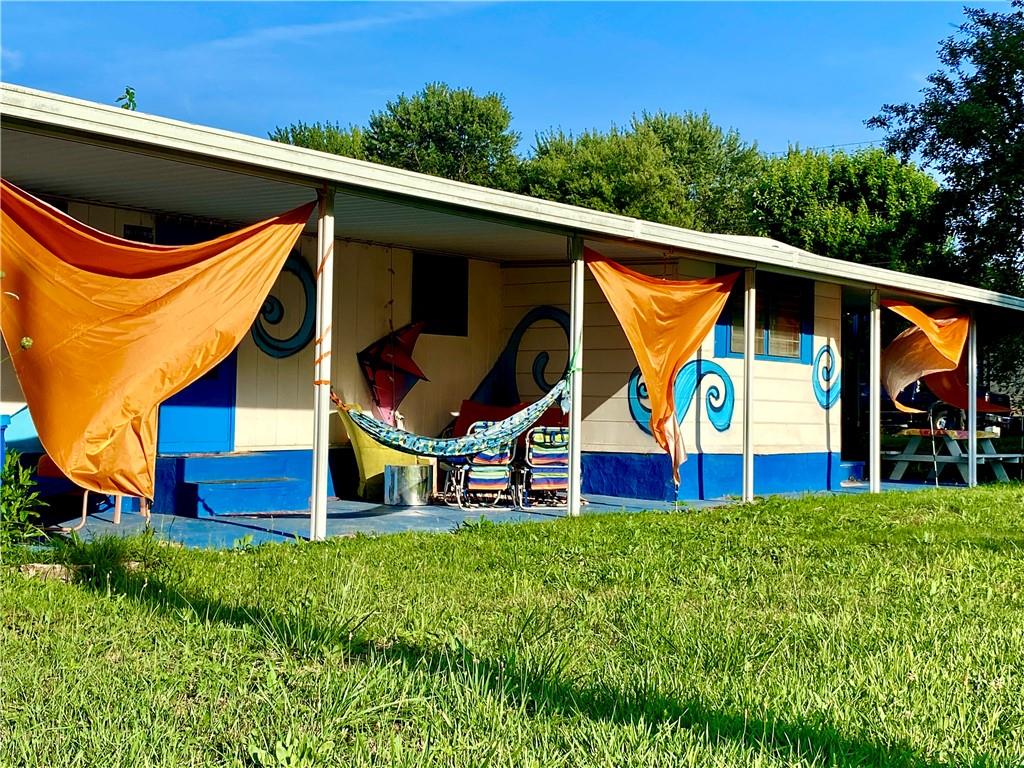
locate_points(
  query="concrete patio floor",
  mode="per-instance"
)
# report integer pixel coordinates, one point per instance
(349, 518)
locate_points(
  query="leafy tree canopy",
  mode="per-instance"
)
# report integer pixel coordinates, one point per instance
(969, 127)
(448, 132)
(325, 137)
(866, 207)
(676, 169)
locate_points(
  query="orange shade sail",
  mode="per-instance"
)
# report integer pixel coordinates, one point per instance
(932, 349)
(118, 326)
(665, 322)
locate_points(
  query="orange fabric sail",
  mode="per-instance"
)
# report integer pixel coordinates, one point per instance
(932, 349)
(933, 344)
(118, 326)
(665, 322)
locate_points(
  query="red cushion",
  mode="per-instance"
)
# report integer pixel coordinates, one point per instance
(471, 412)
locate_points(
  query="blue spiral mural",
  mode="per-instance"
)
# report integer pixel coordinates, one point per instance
(825, 377)
(499, 386)
(272, 312)
(720, 401)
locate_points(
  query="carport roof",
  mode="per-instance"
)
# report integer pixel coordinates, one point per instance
(66, 147)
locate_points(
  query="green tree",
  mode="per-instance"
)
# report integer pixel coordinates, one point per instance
(866, 207)
(618, 172)
(969, 127)
(675, 169)
(715, 166)
(449, 132)
(324, 137)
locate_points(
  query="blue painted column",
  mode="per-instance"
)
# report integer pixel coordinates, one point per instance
(4, 421)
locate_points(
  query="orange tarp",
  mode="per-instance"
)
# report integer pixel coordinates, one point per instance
(932, 349)
(118, 326)
(665, 322)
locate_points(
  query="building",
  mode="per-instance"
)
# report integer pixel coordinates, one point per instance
(495, 277)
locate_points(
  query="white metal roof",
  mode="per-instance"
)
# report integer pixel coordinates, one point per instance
(62, 146)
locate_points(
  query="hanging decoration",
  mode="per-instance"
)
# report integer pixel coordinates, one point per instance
(119, 326)
(931, 350)
(390, 371)
(665, 322)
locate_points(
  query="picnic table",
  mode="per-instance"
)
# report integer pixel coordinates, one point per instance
(950, 448)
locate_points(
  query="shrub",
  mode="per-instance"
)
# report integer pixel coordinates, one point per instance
(19, 501)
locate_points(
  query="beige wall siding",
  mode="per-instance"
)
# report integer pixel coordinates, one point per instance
(274, 396)
(788, 418)
(279, 413)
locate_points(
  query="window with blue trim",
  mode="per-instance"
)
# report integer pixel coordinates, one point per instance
(784, 327)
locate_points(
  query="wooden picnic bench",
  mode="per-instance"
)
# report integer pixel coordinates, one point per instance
(948, 450)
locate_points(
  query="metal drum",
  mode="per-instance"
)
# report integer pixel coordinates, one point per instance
(407, 486)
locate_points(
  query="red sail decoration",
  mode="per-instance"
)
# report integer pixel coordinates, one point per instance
(390, 370)
(118, 326)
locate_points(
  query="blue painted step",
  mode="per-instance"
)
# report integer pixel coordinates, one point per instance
(212, 498)
(207, 485)
(242, 466)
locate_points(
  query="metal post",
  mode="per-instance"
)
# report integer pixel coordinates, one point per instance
(749, 357)
(972, 401)
(322, 362)
(578, 268)
(875, 394)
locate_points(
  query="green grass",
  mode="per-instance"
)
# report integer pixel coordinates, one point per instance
(861, 630)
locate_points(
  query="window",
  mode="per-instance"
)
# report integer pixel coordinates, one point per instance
(784, 320)
(440, 293)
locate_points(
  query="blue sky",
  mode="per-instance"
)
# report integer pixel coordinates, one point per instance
(780, 73)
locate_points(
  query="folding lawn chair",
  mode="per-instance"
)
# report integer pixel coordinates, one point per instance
(485, 478)
(545, 476)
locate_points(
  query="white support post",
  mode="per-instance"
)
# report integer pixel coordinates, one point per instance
(322, 363)
(749, 357)
(972, 402)
(875, 394)
(578, 270)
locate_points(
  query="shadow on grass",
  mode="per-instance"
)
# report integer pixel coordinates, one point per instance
(534, 683)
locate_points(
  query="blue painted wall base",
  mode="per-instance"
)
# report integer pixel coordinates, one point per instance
(708, 475)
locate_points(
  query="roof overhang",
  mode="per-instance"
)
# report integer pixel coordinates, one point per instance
(66, 147)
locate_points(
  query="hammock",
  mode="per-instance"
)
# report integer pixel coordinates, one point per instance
(499, 434)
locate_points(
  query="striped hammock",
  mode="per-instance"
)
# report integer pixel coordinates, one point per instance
(492, 439)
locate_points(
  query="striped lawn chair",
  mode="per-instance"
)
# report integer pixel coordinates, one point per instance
(487, 477)
(545, 477)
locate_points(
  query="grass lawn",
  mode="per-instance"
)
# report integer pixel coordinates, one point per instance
(850, 630)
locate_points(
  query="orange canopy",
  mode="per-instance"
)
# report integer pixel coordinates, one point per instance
(118, 326)
(932, 349)
(665, 322)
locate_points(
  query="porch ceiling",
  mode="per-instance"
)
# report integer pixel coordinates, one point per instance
(66, 168)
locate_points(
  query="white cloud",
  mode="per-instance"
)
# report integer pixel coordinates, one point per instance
(10, 59)
(297, 33)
